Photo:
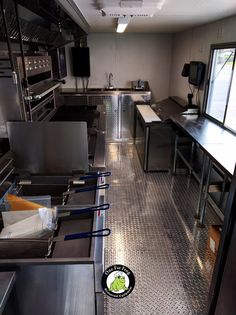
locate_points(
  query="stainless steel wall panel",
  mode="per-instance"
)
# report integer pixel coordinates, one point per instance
(127, 116)
(94, 100)
(10, 106)
(76, 100)
(56, 290)
(112, 117)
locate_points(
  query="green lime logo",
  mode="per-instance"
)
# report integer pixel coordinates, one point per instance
(118, 281)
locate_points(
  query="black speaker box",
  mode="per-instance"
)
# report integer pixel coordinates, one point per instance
(80, 61)
(59, 62)
(185, 71)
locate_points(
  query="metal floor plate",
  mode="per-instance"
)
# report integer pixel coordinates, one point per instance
(155, 235)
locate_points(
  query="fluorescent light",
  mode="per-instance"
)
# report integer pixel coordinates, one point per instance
(121, 28)
(122, 23)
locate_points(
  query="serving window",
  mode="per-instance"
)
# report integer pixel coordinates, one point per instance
(221, 88)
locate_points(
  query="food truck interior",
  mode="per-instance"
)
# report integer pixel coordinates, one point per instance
(117, 157)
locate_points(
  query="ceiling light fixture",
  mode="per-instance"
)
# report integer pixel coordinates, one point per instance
(123, 21)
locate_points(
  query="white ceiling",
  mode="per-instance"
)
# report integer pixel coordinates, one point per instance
(170, 16)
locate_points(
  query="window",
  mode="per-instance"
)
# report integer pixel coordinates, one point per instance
(221, 93)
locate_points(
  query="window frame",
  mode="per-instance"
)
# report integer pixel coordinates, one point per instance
(214, 47)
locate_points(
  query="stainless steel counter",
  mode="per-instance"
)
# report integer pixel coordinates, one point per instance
(170, 106)
(219, 157)
(115, 91)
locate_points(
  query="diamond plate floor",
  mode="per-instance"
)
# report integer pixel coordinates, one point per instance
(155, 235)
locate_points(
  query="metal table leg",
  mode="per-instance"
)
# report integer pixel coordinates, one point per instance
(201, 187)
(175, 153)
(191, 157)
(223, 192)
(206, 187)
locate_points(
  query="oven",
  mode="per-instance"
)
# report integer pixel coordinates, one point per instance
(38, 91)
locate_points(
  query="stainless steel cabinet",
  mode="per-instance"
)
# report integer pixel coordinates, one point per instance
(127, 104)
(120, 114)
(120, 110)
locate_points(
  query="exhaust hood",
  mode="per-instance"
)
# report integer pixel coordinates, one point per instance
(71, 8)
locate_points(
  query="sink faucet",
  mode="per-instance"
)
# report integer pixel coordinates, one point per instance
(110, 79)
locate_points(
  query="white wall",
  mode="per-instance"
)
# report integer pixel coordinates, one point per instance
(129, 57)
(195, 44)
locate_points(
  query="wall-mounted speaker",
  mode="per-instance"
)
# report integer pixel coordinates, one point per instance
(185, 71)
(80, 61)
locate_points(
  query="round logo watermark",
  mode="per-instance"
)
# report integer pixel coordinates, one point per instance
(118, 281)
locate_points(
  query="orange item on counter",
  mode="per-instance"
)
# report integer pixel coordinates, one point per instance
(18, 204)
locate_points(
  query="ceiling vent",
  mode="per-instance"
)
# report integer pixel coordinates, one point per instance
(139, 8)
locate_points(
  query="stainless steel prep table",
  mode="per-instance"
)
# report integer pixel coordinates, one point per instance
(218, 145)
(153, 140)
(154, 136)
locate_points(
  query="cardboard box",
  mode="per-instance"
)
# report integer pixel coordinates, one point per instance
(214, 234)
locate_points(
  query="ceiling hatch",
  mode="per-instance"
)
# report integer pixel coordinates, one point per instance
(140, 8)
